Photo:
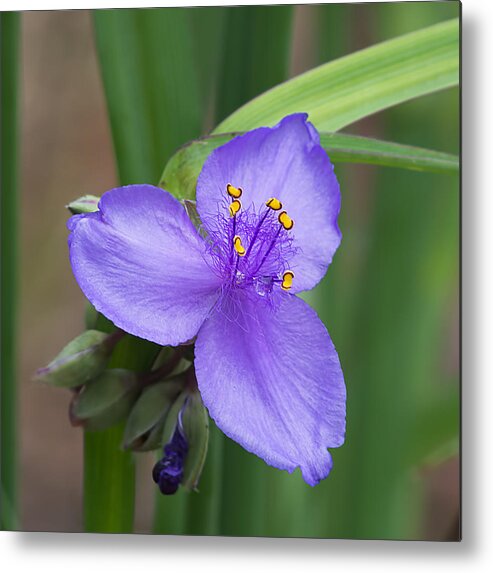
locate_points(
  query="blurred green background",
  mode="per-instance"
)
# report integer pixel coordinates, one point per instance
(390, 299)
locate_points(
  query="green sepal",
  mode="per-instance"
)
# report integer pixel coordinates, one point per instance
(84, 204)
(82, 359)
(180, 173)
(113, 415)
(153, 440)
(172, 417)
(196, 428)
(105, 400)
(150, 411)
(166, 355)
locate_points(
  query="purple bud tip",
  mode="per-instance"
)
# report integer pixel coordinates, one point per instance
(168, 472)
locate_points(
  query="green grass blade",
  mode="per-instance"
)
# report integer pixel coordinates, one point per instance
(180, 174)
(435, 433)
(343, 148)
(208, 26)
(338, 93)
(9, 202)
(109, 483)
(146, 59)
(255, 56)
(109, 472)
(151, 86)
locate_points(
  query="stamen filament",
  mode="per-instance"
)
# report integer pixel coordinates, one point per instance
(255, 233)
(267, 253)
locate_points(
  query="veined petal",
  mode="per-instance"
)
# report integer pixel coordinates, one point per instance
(141, 263)
(271, 379)
(288, 163)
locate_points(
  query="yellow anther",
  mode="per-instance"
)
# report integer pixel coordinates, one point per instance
(285, 220)
(287, 280)
(239, 248)
(234, 192)
(274, 204)
(234, 207)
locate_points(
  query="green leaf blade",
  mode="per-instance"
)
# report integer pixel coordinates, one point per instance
(339, 93)
(344, 148)
(150, 81)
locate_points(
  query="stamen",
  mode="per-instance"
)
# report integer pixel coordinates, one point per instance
(268, 251)
(274, 204)
(287, 280)
(239, 248)
(234, 207)
(234, 192)
(256, 232)
(286, 220)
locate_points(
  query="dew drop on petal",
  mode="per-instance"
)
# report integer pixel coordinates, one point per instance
(239, 278)
(263, 285)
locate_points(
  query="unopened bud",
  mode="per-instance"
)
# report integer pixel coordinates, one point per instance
(168, 472)
(196, 429)
(106, 400)
(186, 435)
(145, 423)
(82, 359)
(170, 362)
(85, 204)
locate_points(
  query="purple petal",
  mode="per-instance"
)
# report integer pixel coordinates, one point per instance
(141, 263)
(286, 162)
(271, 379)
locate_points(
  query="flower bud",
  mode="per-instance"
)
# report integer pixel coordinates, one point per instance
(171, 362)
(196, 429)
(168, 472)
(82, 359)
(145, 423)
(186, 435)
(106, 400)
(85, 204)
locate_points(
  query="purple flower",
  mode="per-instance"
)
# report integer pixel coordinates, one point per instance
(266, 367)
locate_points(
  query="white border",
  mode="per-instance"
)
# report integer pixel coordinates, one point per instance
(76, 553)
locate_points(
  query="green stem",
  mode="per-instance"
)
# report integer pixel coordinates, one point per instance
(109, 483)
(109, 472)
(9, 136)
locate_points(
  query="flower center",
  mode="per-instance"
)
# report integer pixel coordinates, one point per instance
(260, 244)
